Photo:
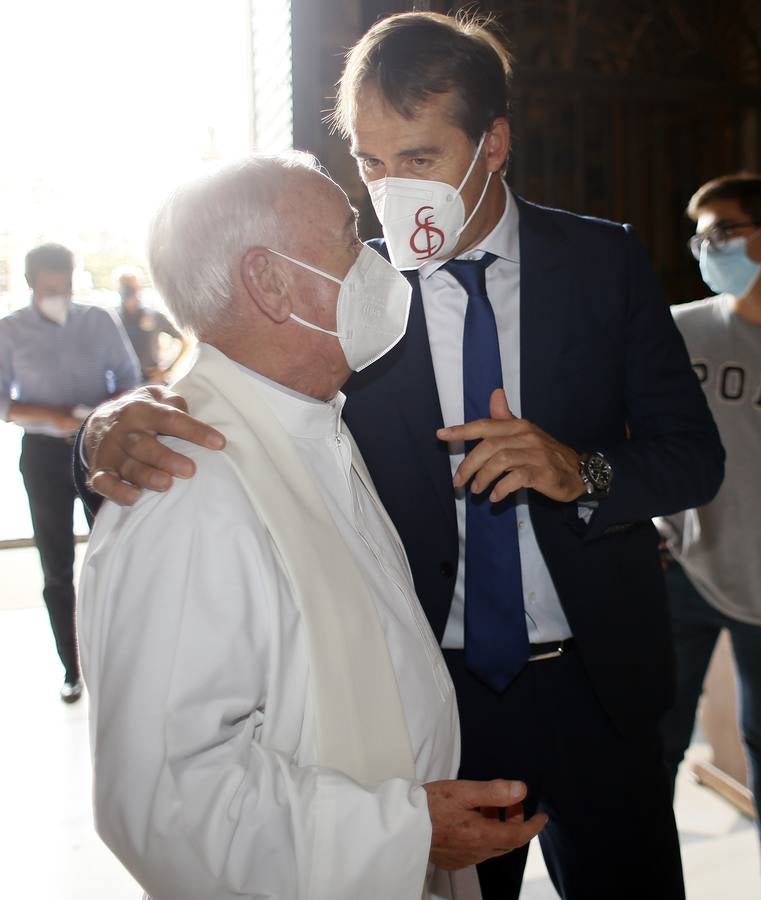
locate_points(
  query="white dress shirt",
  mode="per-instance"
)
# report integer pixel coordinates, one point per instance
(445, 302)
(202, 721)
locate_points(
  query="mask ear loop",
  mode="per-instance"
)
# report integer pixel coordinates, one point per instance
(316, 272)
(313, 326)
(467, 176)
(475, 208)
(306, 266)
(472, 164)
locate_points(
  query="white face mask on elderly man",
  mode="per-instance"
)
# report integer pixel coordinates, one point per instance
(422, 220)
(372, 311)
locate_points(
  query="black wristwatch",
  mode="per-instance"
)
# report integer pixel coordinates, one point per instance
(597, 474)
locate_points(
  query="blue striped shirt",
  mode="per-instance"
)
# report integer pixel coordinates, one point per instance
(82, 362)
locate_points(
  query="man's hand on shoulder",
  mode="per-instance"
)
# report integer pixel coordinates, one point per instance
(466, 830)
(122, 449)
(514, 453)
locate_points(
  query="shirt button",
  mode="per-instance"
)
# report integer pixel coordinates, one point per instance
(338, 439)
(521, 523)
(446, 569)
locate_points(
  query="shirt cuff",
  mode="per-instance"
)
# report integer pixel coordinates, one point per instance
(82, 454)
(585, 509)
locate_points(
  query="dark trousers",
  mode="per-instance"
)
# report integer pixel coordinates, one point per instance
(611, 830)
(45, 466)
(696, 626)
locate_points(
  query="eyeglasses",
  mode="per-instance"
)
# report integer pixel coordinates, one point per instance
(717, 236)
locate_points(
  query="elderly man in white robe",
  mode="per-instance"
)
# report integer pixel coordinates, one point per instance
(270, 714)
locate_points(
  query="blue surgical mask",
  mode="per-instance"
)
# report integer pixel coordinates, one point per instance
(728, 269)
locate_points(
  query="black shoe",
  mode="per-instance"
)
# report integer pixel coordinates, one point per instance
(71, 691)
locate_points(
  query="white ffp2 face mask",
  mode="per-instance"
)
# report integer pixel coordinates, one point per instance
(422, 220)
(372, 311)
(55, 308)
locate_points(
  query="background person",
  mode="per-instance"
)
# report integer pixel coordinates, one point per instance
(551, 611)
(715, 582)
(58, 359)
(144, 327)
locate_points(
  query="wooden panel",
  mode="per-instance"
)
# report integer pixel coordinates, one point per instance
(322, 33)
(621, 109)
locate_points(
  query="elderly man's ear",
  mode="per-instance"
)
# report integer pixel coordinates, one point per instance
(266, 283)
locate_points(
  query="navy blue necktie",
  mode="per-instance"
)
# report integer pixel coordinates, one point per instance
(496, 638)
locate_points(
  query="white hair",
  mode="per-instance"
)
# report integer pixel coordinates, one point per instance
(205, 226)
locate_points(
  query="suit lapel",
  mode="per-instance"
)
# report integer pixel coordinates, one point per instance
(418, 400)
(544, 308)
(408, 380)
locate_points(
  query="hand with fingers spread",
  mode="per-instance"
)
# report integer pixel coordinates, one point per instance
(124, 453)
(466, 827)
(514, 453)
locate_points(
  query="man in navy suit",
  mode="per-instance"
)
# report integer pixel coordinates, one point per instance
(541, 404)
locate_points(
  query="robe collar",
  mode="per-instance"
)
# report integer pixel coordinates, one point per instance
(300, 415)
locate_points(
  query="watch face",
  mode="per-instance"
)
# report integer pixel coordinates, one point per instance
(599, 471)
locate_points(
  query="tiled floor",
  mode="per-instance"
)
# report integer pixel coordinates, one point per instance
(50, 850)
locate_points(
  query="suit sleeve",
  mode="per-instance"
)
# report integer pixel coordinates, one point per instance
(119, 358)
(673, 458)
(91, 500)
(188, 657)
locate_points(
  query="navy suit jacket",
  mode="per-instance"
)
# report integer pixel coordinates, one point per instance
(602, 368)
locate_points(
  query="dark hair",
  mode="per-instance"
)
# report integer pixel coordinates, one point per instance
(48, 258)
(744, 187)
(412, 56)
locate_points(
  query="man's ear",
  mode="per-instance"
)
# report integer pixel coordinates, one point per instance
(497, 144)
(266, 283)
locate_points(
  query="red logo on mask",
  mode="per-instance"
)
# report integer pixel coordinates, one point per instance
(426, 239)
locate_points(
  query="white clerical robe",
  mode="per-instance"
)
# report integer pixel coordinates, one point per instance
(203, 733)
